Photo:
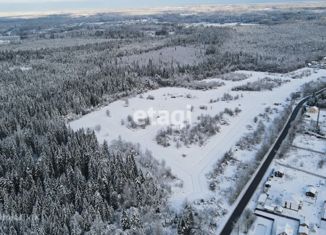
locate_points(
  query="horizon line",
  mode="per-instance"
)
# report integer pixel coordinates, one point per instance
(191, 8)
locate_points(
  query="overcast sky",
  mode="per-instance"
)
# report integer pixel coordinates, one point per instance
(71, 5)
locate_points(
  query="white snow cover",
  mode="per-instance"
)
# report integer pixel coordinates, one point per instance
(191, 164)
(206, 24)
(2, 42)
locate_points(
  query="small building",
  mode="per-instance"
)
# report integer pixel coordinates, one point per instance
(303, 229)
(284, 230)
(203, 107)
(279, 209)
(312, 109)
(304, 222)
(269, 208)
(267, 185)
(323, 217)
(292, 202)
(278, 173)
(262, 199)
(314, 228)
(311, 191)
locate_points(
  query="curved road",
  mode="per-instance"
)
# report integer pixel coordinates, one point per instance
(246, 196)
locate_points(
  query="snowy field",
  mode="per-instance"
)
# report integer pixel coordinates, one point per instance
(305, 159)
(191, 164)
(310, 142)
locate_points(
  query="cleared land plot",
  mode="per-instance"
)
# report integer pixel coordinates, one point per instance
(167, 56)
(191, 164)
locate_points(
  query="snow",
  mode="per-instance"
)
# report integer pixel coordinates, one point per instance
(22, 68)
(4, 42)
(292, 187)
(310, 142)
(308, 151)
(262, 198)
(167, 56)
(207, 24)
(304, 159)
(191, 164)
(276, 225)
(295, 183)
(262, 226)
(311, 120)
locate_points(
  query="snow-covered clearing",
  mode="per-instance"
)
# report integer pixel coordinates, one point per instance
(191, 164)
(305, 159)
(207, 24)
(22, 68)
(310, 142)
(167, 56)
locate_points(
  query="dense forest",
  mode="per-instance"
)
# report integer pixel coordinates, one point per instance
(55, 181)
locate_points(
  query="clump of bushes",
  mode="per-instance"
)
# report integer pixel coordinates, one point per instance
(252, 139)
(261, 84)
(135, 124)
(206, 127)
(234, 77)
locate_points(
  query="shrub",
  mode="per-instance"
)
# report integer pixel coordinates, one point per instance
(150, 97)
(97, 128)
(261, 84)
